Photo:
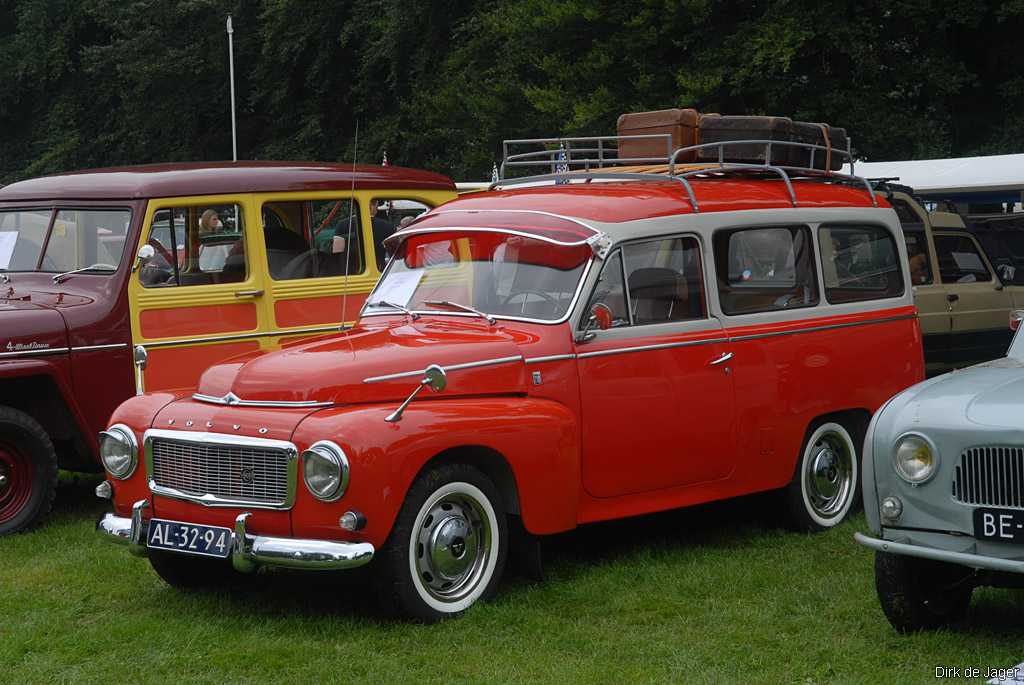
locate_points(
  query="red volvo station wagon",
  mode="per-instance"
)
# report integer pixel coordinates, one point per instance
(533, 359)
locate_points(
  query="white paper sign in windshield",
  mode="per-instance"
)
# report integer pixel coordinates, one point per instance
(398, 287)
(968, 261)
(7, 242)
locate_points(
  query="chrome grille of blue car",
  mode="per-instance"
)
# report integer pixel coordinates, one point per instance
(229, 472)
(990, 476)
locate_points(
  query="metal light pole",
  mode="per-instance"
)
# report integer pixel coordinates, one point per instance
(231, 66)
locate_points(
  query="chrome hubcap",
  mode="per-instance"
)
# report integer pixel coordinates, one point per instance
(829, 475)
(452, 546)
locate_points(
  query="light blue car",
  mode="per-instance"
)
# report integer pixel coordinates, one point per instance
(944, 490)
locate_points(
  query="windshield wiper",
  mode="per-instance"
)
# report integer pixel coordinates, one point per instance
(392, 305)
(92, 267)
(466, 308)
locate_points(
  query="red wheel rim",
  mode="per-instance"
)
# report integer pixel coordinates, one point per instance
(16, 475)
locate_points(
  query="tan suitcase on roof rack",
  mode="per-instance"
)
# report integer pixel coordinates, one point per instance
(681, 124)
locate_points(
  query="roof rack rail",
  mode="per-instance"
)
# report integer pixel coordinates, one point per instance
(588, 176)
(562, 159)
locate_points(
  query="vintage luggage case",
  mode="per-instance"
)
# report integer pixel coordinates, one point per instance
(680, 123)
(815, 134)
(716, 128)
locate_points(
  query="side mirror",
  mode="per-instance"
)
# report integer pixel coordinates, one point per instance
(435, 378)
(143, 256)
(1016, 316)
(602, 314)
(1006, 272)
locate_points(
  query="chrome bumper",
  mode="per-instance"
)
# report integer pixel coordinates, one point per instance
(248, 552)
(961, 558)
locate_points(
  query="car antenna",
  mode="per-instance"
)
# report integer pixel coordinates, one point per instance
(348, 238)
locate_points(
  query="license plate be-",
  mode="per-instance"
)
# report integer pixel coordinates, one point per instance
(1006, 525)
(189, 538)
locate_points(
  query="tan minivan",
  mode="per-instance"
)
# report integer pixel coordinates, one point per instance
(964, 302)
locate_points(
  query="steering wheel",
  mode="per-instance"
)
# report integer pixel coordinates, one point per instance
(539, 293)
(164, 252)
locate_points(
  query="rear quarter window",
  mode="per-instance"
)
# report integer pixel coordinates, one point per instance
(765, 269)
(859, 262)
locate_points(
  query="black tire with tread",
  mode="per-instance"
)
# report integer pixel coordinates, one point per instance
(26, 431)
(921, 594)
(395, 588)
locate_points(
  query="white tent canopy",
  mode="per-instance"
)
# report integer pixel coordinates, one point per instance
(995, 178)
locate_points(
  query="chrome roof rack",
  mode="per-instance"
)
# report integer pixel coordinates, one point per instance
(578, 152)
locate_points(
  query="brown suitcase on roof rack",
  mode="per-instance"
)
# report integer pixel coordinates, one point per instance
(808, 132)
(681, 124)
(716, 128)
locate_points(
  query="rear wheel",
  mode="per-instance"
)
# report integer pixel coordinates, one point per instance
(826, 482)
(921, 594)
(28, 471)
(448, 546)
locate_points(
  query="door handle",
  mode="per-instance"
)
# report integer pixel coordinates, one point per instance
(248, 293)
(721, 360)
(952, 297)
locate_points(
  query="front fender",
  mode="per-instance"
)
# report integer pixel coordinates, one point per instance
(538, 438)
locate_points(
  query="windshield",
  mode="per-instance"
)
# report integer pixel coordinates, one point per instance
(496, 273)
(62, 240)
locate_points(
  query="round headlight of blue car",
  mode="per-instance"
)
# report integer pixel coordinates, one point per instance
(119, 451)
(325, 470)
(915, 458)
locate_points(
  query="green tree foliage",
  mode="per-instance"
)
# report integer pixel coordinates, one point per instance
(440, 84)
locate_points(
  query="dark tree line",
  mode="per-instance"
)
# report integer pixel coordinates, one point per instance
(87, 83)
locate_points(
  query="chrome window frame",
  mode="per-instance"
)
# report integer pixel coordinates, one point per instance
(204, 438)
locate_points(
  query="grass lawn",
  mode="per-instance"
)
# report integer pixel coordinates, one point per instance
(713, 594)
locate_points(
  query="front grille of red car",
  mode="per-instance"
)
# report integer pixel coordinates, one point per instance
(990, 476)
(231, 473)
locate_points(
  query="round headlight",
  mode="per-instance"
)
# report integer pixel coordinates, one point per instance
(915, 458)
(325, 470)
(119, 451)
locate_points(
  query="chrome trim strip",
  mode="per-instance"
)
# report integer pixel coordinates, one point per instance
(244, 336)
(829, 327)
(199, 437)
(233, 400)
(451, 367)
(961, 558)
(549, 358)
(87, 348)
(644, 348)
(41, 352)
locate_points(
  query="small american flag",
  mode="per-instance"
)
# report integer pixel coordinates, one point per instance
(494, 173)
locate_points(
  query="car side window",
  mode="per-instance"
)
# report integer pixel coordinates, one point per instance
(198, 245)
(386, 217)
(960, 260)
(920, 261)
(664, 280)
(313, 239)
(859, 263)
(765, 269)
(610, 290)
